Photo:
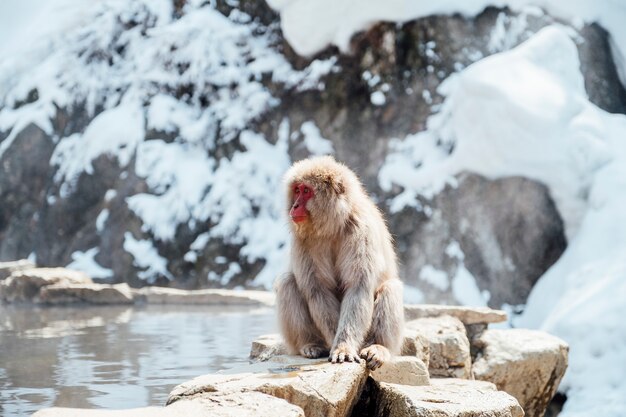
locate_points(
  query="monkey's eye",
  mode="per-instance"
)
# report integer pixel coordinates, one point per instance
(296, 190)
(306, 190)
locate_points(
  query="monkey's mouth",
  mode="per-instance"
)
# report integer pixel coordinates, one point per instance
(298, 219)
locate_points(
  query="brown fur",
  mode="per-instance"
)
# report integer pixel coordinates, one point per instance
(342, 294)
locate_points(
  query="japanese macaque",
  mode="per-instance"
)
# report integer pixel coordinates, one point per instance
(342, 296)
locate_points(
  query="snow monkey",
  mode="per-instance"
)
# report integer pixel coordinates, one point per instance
(342, 296)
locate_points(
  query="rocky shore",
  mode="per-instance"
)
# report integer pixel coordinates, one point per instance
(22, 282)
(452, 363)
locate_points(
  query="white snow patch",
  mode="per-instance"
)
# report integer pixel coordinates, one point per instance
(101, 220)
(377, 98)
(465, 290)
(313, 140)
(435, 277)
(85, 262)
(412, 295)
(147, 258)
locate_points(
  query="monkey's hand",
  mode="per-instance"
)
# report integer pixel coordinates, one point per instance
(375, 355)
(344, 353)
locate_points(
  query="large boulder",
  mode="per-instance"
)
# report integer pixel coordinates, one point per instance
(444, 398)
(528, 364)
(320, 388)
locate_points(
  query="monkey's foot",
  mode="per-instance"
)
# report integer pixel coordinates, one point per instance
(375, 355)
(313, 351)
(344, 353)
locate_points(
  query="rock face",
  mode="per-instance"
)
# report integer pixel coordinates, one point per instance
(409, 61)
(161, 295)
(467, 315)
(527, 364)
(89, 293)
(403, 370)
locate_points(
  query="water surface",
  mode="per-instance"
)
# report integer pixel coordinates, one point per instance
(116, 357)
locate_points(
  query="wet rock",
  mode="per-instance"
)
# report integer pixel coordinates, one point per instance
(25, 285)
(86, 293)
(267, 346)
(7, 268)
(448, 346)
(467, 315)
(317, 386)
(246, 404)
(405, 370)
(162, 295)
(527, 364)
(444, 398)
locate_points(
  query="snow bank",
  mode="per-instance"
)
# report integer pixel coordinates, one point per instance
(525, 112)
(310, 26)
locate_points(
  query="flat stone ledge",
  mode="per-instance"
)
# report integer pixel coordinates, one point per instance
(247, 404)
(163, 295)
(320, 388)
(86, 293)
(447, 397)
(467, 315)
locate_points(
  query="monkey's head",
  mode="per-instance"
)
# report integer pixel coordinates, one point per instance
(318, 195)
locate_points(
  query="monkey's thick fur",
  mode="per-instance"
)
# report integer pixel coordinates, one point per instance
(342, 294)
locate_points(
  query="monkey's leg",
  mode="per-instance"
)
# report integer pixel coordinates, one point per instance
(387, 322)
(297, 327)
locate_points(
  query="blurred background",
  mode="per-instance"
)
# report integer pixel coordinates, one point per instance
(143, 141)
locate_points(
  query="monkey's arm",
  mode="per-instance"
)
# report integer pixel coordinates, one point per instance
(358, 278)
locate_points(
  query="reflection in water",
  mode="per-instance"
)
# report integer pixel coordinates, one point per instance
(116, 357)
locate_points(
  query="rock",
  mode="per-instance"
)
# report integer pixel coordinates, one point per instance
(86, 293)
(467, 315)
(416, 344)
(405, 370)
(162, 295)
(7, 268)
(508, 230)
(319, 387)
(528, 364)
(444, 398)
(448, 345)
(25, 285)
(267, 346)
(246, 404)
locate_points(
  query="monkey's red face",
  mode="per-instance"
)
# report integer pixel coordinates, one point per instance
(301, 194)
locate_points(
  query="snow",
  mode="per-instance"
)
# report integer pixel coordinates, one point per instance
(526, 113)
(84, 261)
(313, 140)
(435, 277)
(310, 26)
(147, 258)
